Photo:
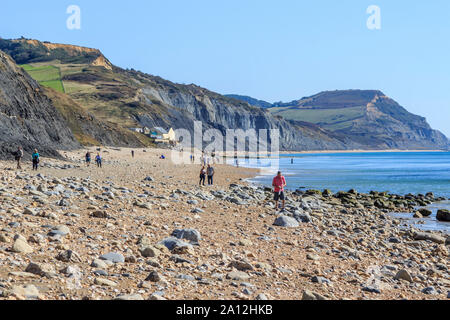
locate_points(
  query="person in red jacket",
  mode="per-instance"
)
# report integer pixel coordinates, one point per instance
(279, 182)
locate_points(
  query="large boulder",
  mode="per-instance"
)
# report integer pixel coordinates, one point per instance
(192, 235)
(420, 236)
(286, 222)
(176, 245)
(443, 215)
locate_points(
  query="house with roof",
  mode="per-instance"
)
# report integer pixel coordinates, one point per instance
(162, 135)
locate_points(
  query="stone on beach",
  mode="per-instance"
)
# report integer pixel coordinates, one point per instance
(21, 246)
(286, 222)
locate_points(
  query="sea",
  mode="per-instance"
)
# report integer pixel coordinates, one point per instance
(396, 172)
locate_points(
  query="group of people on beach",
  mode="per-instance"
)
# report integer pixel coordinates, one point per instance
(98, 159)
(205, 159)
(35, 158)
(207, 171)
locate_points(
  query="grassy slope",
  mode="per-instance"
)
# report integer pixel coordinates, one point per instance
(75, 116)
(47, 75)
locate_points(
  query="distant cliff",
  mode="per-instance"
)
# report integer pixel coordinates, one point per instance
(366, 117)
(114, 99)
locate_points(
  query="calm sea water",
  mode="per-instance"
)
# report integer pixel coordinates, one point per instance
(396, 172)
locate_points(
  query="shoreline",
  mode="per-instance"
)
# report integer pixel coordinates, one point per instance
(359, 151)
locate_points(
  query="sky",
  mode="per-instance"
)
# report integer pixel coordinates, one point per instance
(271, 50)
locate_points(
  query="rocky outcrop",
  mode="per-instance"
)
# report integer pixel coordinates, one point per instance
(27, 117)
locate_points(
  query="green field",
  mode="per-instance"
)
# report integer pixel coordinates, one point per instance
(47, 76)
(332, 119)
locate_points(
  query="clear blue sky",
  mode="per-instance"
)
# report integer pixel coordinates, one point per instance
(271, 50)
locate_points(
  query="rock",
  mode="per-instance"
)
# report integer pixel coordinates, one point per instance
(429, 236)
(425, 212)
(113, 257)
(130, 259)
(371, 289)
(443, 215)
(192, 235)
(155, 296)
(21, 246)
(176, 245)
(129, 297)
(286, 222)
(68, 256)
(30, 212)
(403, 275)
(417, 215)
(245, 243)
(429, 290)
(28, 291)
(261, 297)
(185, 277)
(149, 252)
(41, 269)
(313, 257)
(238, 276)
(100, 264)
(309, 295)
(241, 265)
(105, 282)
(154, 277)
(62, 230)
(72, 271)
(317, 279)
(4, 238)
(100, 214)
(303, 217)
(101, 273)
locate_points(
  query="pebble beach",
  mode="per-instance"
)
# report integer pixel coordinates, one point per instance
(142, 229)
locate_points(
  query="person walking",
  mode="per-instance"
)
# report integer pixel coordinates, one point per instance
(279, 182)
(18, 157)
(132, 153)
(210, 172)
(35, 158)
(202, 176)
(88, 159)
(98, 160)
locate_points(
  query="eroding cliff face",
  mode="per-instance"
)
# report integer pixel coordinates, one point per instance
(219, 112)
(27, 117)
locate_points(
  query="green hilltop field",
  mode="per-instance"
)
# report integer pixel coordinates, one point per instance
(47, 75)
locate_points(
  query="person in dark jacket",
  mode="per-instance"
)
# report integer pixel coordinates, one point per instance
(98, 160)
(202, 176)
(35, 158)
(210, 172)
(88, 158)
